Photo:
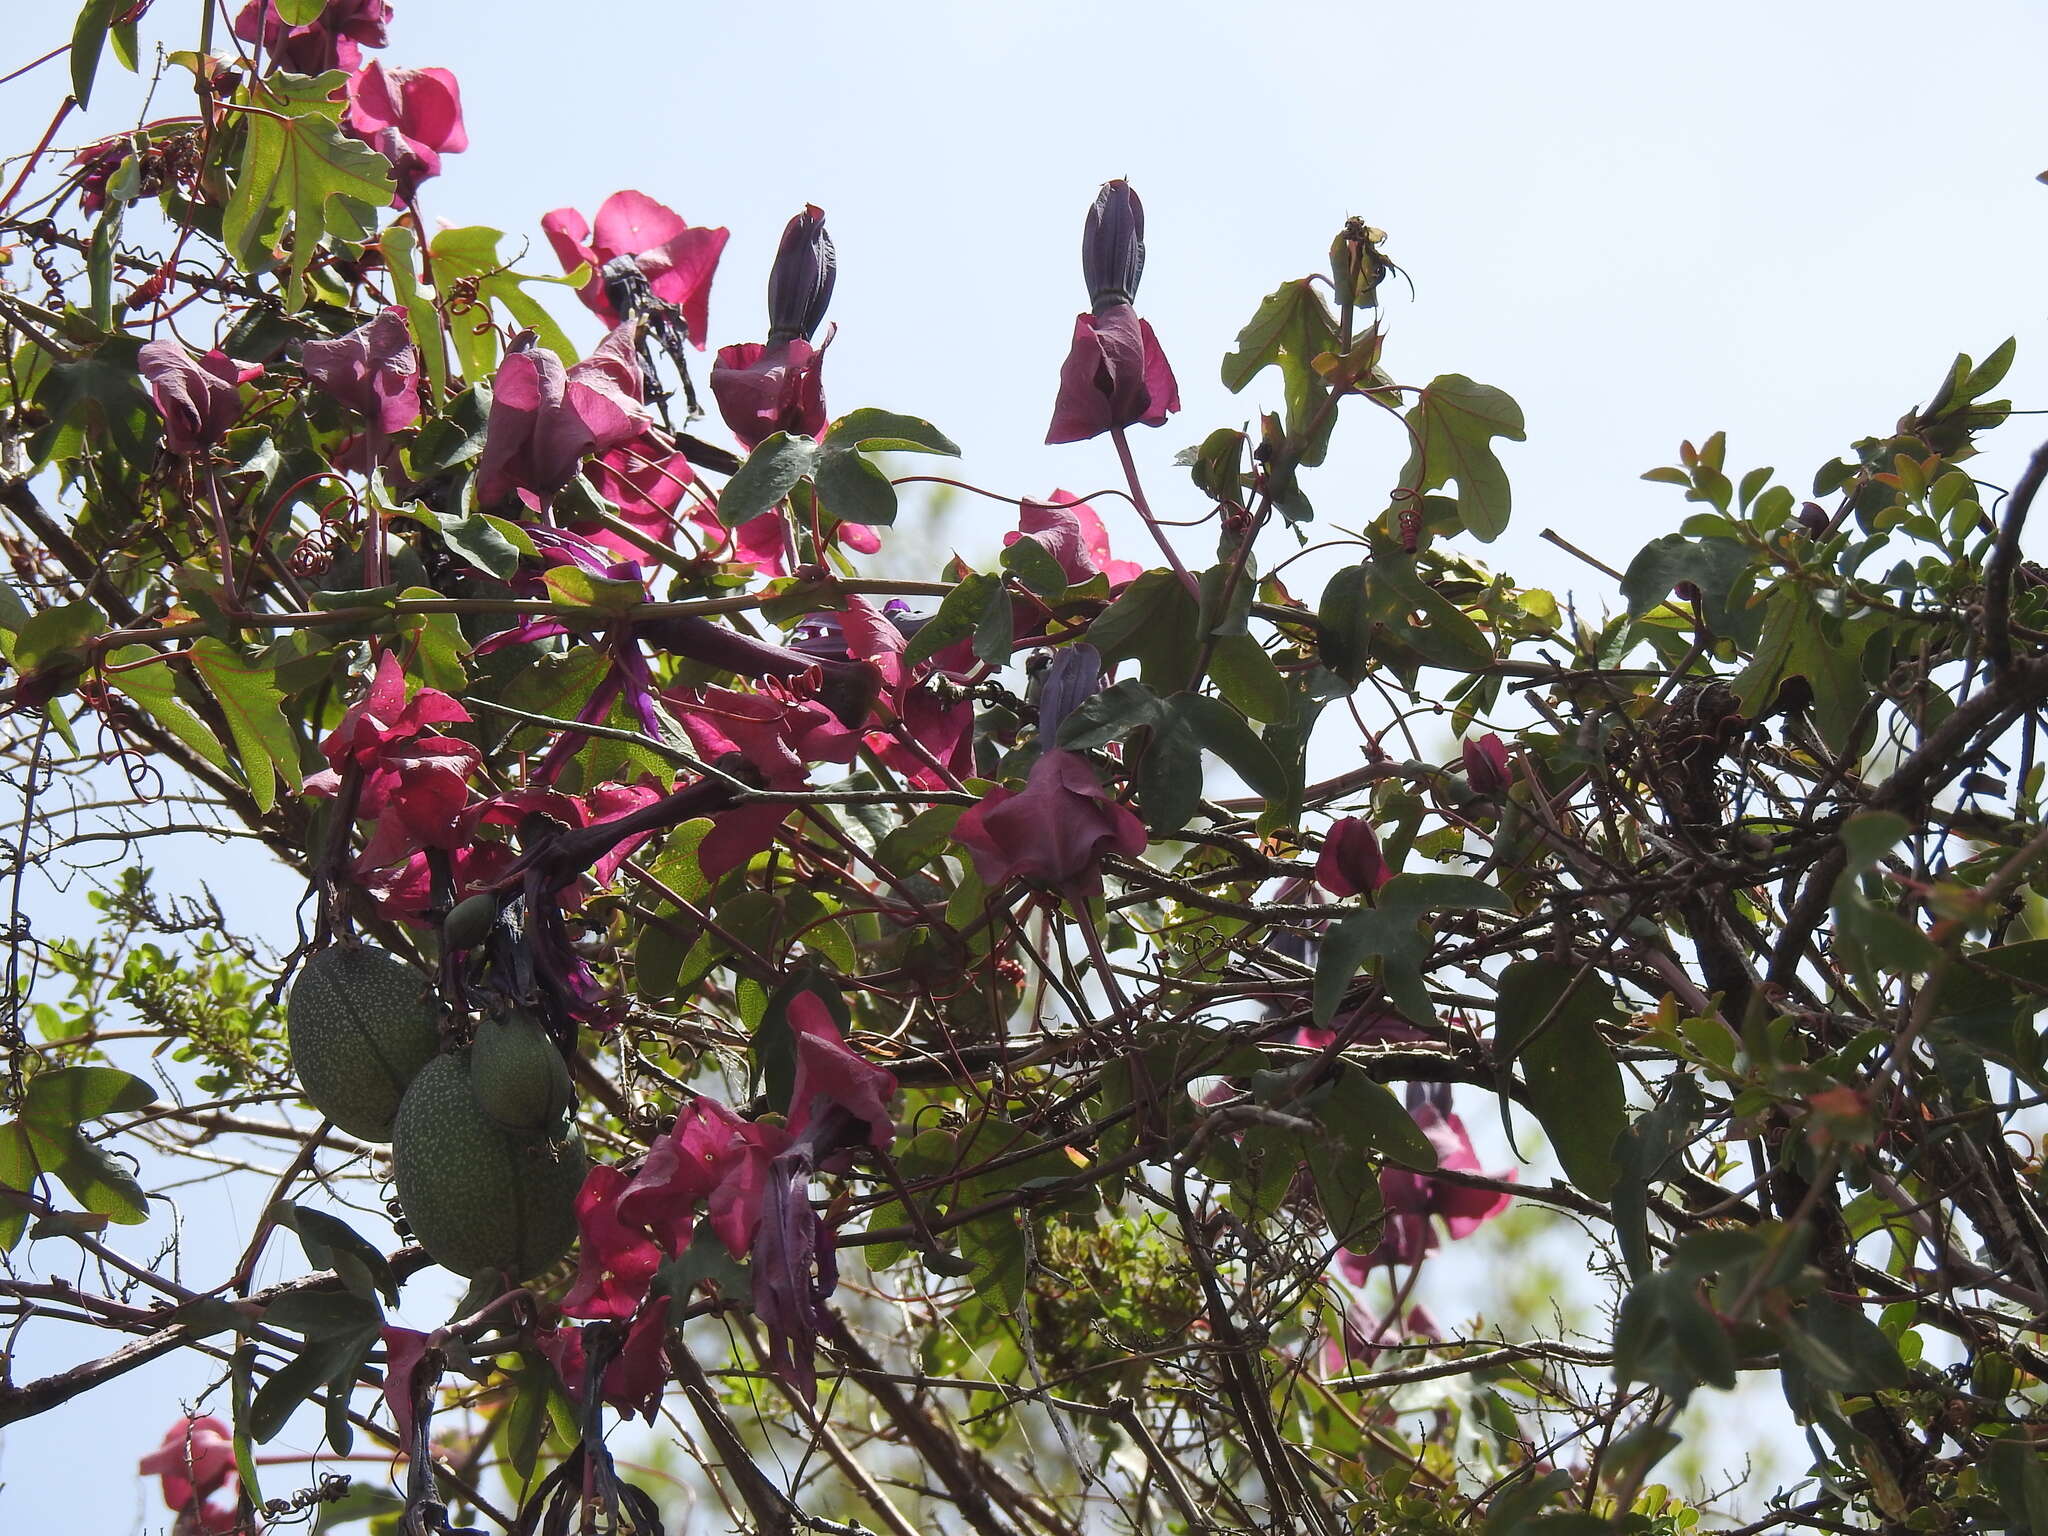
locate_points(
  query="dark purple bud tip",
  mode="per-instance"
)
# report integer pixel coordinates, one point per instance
(1113, 245)
(1813, 517)
(800, 284)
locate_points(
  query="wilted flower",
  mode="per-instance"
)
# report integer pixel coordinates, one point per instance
(412, 117)
(635, 1373)
(374, 371)
(677, 259)
(793, 1271)
(1074, 673)
(546, 419)
(1486, 765)
(711, 1158)
(840, 1098)
(1054, 831)
(199, 398)
(332, 40)
(1073, 535)
(403, 1350)
(1115, 374)
(1351, 860)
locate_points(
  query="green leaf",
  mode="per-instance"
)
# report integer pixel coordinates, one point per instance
(959, 615)
(88, 37)
(1293, 327)
(1367, 1114)
(54, 631)
(491, 544)
(1033, 564)
(248, 696)
(296, 162)
(435, 645)
(1549, 1017)
(1154, 621)
(67, 1096)
(768, 476)
(874, 431)
(400, 246)
(470, 256)
(331, 1243)
(1719, 568)
(18, 1173)
(1223, 731)
(1387, 933)
(1245, 675)
(152, 682)
(1454, 424)
(1800, 641)
(97, 389)
(579, 588)
(853, 489)
(95, 1178)
(995, 629)
(1841, 1349)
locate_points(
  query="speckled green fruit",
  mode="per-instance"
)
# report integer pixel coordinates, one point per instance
(478, 1199)
(521, 1083)
(361, 1025)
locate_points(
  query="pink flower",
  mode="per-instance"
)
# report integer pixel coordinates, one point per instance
(1412, 1199)
(1364, 1337)
(374, 371)
(412, 117)
(1074, 536)
(779, 387)
(545, 419)
(1351, 860)
(384, 716)
(762, 390)
(199, 398)
(677, 260)
(195, 1460)
(633, 1378)
(406, 891)
(1486, 766)
(839, 1098)
(1115, 374)
(1054, 831)
(403, 1350)
(330, 41)
(711, 1158)
(615, 1260)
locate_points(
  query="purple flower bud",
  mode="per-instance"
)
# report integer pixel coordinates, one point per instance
(1113, 245)
(800, 283)
(1075, 673)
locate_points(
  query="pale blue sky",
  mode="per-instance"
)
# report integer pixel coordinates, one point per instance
(1645, 222)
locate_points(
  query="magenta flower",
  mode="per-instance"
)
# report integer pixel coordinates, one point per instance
(1055, 831)
(403, 1350)
(1365, 1337)
(1412, 1199)
(762, 390)
(546, 419)
(1072, 534)
(374, 371)
(633, 1378)
(840, 1098)
(779, 387)
(331, 40)
(195, 1460)
(677, 259)
(199, 398)
(1115, 374)
(412, 117)
(384, 716)
(1351, 860)
(615, 1260)
(1486, 765)
(405, 892)
(713, 1159)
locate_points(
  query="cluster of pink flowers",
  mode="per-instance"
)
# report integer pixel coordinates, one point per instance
(750, 1182)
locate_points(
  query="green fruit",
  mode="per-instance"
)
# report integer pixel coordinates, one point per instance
(520, 1080)
(476, 1198)
(360, 1025)
(471, 921)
